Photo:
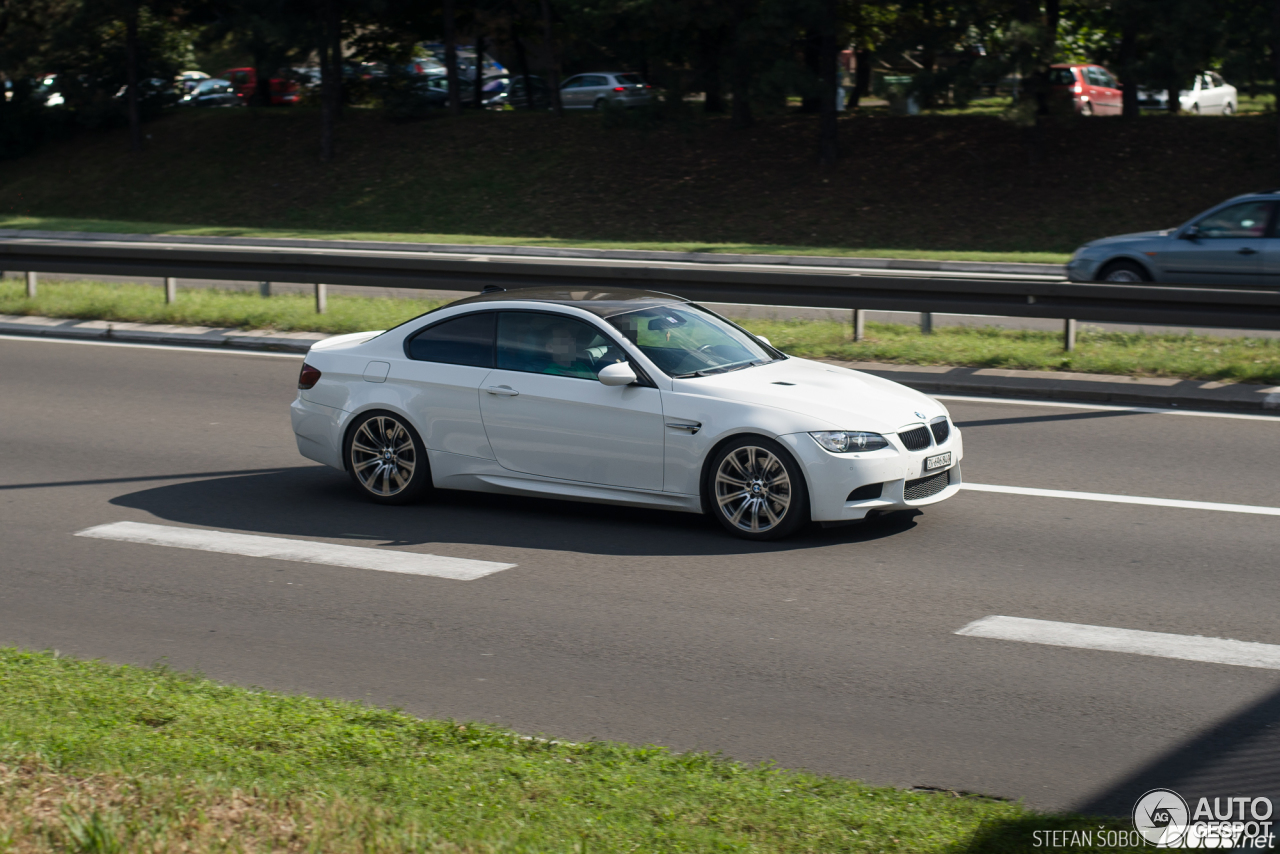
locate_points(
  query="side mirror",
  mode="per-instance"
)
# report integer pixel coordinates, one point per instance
(1191, 232)
(619, 373)
(765, 340)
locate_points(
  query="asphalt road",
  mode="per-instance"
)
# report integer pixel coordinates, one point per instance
(835, 651)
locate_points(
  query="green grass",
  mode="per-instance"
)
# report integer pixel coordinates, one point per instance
(131, 227)
(102, 758)
(1197, 357)
(1194, 357)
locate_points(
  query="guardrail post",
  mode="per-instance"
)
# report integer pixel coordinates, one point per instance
(859, 324)
(31, 285)
(322, 298)
(170, 290)
(264, 289)
(926, 323)
(1069, 335)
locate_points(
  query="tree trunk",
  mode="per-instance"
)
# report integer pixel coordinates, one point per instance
(862, 74)
(829, 57)
(1128, 79)
(522, 61)
(481, 47)
(553, 58)
(131, 61)
(262, 73)
(740, 84)
(813, 62)
(330, 77)
(1275, 49)
(710, 48)
(451, 60)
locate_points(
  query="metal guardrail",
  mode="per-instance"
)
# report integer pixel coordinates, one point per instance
(816, 287)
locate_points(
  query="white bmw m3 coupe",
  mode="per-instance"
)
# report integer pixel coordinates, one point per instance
(622, 397)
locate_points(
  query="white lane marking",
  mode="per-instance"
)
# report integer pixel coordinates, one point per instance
(140, 346)
(1158, 644)
(1124, 499)
(1109, 407)
(304, 551)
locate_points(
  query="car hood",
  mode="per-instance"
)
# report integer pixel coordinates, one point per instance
(1136, 236)
(840, 398)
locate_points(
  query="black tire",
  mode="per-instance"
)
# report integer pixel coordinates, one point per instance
(1228, 109)
(760, 494)
(1086, 109)
(386, 459)
(600, 104)
(1123, 271)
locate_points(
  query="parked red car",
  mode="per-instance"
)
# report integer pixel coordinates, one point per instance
(1093, 90)
(245, 82)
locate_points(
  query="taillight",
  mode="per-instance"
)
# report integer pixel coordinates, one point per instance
(308, 377)
(619, 88)
(1077, 88)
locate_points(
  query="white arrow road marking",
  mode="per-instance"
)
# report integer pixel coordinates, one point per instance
(304, 551)
(1124, 499)
(1159, 644)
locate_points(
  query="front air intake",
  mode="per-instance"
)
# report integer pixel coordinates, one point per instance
(915, 440)
(926, 487)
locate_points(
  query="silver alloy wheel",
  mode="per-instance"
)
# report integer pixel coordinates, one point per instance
(753, 489)
(1122, 275)
(382, 451)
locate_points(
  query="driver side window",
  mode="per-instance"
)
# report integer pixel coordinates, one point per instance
(1248, 219)
(540, 343)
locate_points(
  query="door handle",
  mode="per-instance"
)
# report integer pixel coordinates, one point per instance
(502, 390)
(1247, 251)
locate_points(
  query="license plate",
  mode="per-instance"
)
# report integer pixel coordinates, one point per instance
(939, 461)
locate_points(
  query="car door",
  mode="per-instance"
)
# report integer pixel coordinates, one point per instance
(571, 92)
(594, 87)
(445, 365)
(1209, 96)
(1227, 249)
(546, 413)
(1108, 93)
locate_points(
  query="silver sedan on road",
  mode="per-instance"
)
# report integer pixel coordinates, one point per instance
(1232, 244)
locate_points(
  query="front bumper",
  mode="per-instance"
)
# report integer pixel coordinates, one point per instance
(832, 477)
(1082, 269)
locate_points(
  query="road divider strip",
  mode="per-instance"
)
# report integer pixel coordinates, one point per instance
(1124, 499)
(302, 551)
(1133, 641)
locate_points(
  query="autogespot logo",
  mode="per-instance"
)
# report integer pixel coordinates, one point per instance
(1161, 817)
(1165, 821)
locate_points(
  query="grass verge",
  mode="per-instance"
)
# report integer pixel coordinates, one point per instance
(1197, 357)
(102, 758)
(48, 223)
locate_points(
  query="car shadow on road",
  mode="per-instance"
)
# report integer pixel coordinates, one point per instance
(319, 502)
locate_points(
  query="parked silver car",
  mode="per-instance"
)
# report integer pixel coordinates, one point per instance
(1233, 244)
(595, 91)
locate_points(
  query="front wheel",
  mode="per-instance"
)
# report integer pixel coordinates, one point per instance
(756, 490)
(1123, 271)
(386, 459)
(1228, 109)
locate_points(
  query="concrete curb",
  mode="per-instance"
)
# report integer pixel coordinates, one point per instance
(930, 379)
(146, 333)
(1054, 270)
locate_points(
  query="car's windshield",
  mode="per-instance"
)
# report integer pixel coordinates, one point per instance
(689, 341)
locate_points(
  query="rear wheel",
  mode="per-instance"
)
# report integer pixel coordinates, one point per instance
(1124, 271)
(1086, 108)
(1228, 109)
(386, 459)
(756, 490)
(600, 104)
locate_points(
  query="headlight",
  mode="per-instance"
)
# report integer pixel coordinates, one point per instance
(846, 441)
